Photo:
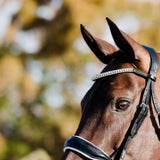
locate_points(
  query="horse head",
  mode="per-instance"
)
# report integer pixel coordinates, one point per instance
(110, 106)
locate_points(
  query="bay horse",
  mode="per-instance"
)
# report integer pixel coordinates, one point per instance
(119, 112)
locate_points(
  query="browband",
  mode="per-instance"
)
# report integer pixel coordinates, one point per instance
(123, 70)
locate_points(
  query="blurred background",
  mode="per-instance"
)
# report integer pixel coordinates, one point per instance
(46, 67)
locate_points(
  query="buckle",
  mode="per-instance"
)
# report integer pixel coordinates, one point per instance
(152, 77)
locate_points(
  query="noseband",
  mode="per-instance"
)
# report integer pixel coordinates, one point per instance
(87, 149)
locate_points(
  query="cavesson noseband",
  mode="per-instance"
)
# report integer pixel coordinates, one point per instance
(87, 149)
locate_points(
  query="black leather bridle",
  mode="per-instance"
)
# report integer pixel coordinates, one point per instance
(89, 150)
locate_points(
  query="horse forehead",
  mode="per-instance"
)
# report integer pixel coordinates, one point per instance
(124, 80)
(119, 83)
(126, 84)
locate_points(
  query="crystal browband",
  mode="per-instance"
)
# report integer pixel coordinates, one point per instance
(123, 70)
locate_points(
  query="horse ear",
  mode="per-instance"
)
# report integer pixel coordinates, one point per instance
(131, 48)
(102, 49)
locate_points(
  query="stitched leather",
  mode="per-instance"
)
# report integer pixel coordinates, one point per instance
(85, 148)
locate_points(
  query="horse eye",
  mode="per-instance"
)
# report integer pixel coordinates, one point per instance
(122, 105)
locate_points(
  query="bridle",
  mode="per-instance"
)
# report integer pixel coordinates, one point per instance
(87, 149)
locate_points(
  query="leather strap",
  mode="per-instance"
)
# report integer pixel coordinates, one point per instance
(153, 72)
(119, 71)
(85, 148)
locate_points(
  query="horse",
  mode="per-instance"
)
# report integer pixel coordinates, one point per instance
(119, 112)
